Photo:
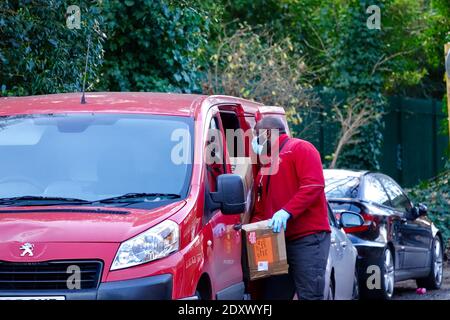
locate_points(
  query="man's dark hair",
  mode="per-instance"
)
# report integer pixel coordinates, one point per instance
(271, 122)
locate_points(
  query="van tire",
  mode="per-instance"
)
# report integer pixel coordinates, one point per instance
(203, 290)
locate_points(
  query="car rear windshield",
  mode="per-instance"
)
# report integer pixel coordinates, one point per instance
(94, 156)
(341, 187)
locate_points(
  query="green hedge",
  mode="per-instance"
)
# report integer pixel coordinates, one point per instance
(154, 45)
(39, 54)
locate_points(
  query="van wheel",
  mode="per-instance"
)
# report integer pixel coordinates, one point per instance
(434, 279)
(387, 278)
(203, 289)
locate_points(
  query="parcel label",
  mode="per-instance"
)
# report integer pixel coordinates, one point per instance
(262, 250)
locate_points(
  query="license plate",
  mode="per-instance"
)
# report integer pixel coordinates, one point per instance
(34, 298)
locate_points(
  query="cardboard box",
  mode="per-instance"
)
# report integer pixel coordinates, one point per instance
(266, 250)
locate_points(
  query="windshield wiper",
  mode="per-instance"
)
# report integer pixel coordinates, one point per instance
(137, 197)
(37, 200)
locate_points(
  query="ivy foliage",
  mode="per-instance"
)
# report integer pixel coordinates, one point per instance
(250, 65)
(39, 54)
(166, 45)
(154, 45)
(435, 193)
(355, 52)
(346, 57)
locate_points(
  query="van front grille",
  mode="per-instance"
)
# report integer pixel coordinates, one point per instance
(51, 275)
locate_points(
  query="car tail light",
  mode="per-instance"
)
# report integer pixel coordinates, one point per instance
(369, 220)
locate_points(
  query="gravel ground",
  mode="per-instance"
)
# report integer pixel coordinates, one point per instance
(406, 290)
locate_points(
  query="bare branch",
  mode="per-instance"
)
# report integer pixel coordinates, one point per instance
(254, 66)
(357, 115)
(383, 60)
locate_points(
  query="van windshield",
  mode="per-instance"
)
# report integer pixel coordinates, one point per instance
(90, 157)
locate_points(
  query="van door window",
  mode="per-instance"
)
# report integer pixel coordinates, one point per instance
(214, 165)
(234, 135)
(215, 160)
(238, 138)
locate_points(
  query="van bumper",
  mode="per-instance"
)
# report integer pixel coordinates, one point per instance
(150, 288)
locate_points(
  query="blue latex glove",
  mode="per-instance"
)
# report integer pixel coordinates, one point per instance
(279, 220)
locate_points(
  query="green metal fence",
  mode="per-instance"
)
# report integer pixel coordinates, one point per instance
(415, 147)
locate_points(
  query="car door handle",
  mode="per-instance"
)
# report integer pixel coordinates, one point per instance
(333, 241)
(403, 220)
(344, 244)
(237, 226)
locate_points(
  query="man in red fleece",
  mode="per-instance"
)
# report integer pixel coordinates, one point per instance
(292, 196)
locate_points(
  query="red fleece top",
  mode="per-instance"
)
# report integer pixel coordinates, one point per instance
(297, 187)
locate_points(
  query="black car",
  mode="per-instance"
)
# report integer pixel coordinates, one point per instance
(397, 241)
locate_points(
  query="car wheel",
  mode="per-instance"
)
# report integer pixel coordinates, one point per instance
(355, 294)
(434, 279)
(387, 278)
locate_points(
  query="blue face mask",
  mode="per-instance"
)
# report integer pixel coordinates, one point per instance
(257, 148)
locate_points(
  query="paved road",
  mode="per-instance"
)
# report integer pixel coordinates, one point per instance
(406, 290)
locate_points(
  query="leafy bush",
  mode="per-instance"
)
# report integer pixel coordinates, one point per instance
(154, 45)
(39, 54)
(365, 64)
(435, 193)
(251, 65)
(355, 51)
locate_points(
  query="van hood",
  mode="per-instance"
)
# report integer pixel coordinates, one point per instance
(79, 224)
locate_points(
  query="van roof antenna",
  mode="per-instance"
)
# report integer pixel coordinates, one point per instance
(83, 98)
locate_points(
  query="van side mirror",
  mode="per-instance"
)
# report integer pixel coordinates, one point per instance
(351, 219)
(230, 194)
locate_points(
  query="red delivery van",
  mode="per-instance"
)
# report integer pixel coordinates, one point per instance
(117, 198)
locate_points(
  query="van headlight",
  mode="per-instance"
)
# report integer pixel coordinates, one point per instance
(155, 243)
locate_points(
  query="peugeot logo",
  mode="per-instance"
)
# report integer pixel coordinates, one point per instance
(27, 248)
